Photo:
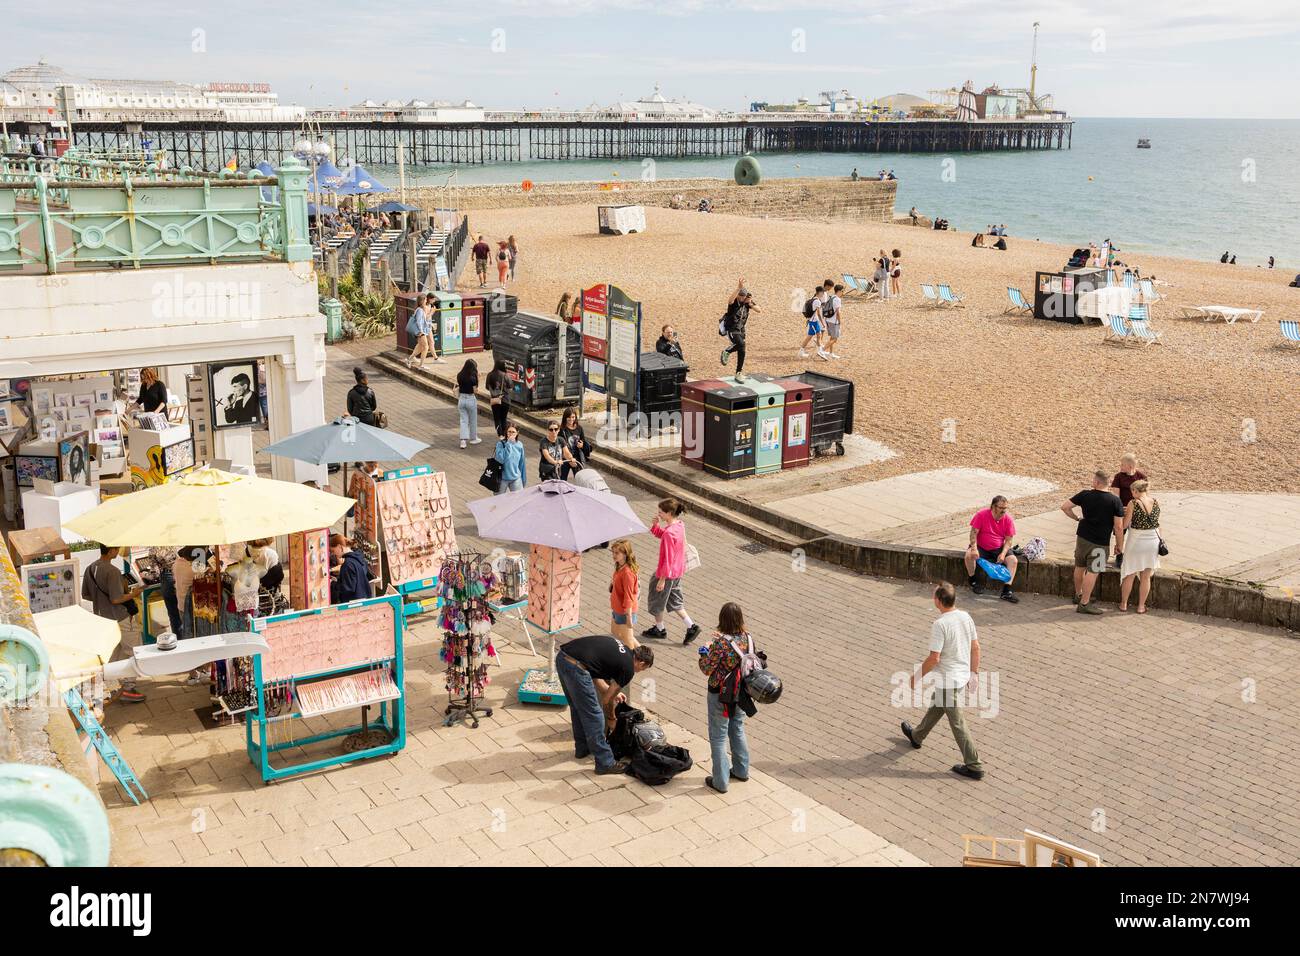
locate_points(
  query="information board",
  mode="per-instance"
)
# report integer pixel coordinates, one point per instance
(611, 341)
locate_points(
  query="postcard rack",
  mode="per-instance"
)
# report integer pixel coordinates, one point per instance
(324, 662)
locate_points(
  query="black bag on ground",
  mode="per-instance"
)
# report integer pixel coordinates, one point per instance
(622, 739)
(491, 477)
(660, 764)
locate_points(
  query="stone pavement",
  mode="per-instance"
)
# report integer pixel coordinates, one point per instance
(1156, 739)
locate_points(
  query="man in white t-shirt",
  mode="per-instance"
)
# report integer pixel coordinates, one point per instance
(955, 659)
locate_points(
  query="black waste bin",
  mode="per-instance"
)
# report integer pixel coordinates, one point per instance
(499, 308)
(730, 420)
(832, 414)
(659, 390)
(530, 346)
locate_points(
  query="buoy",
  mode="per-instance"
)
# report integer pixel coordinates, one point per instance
(1089, 179)
(526, 185)
(748, 172)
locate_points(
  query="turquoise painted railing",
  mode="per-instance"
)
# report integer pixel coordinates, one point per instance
(92, 213)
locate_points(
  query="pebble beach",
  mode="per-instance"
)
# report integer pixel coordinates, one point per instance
(1212, 407)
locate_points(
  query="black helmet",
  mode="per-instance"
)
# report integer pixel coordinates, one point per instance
(648, 734)
(763, 686)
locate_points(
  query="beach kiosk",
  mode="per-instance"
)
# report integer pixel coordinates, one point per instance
(1056, 294)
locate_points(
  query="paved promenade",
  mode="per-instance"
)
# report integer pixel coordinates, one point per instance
(1153, 739)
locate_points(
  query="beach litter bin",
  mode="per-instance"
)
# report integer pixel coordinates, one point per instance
(472, 337)
(692, 408)
(796, 449)
(832, 409)
(659, 388)
(771, 416)
(543, 358)
(447, 323)
(730, 422)
(404, 305)
(333, 310)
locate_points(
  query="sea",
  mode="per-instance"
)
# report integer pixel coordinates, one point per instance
(1205, 187)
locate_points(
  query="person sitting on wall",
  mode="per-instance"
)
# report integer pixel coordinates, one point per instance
(349, 572)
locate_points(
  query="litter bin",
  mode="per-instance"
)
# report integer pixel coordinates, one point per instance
(531, 346)
(659, 388)
(771, 415)
(795, 446)
(333, 310)
(832, 409)
(692, 405)
(447, 323)
(472, 308)
(730, 420)
(404, 305)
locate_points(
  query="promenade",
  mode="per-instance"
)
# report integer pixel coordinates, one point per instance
(1153, 740)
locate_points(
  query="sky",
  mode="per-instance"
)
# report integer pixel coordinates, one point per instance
(1174, 58)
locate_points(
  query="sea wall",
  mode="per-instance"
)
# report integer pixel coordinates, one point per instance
(813, 199)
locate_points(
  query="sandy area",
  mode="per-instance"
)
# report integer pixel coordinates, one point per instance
(1029, 397)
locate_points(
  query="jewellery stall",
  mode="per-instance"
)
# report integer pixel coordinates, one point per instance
(321, 662)
(414, 528)
(465, 581)
(554, 591)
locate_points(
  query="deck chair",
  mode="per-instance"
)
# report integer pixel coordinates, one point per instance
(1138, 313)
(1142, 333)
(1129, 280)
(1018, 304)
(1117, 330)
(868, 286)
(1290, 331)
(948, 297)
(927, 290)
(851, 284)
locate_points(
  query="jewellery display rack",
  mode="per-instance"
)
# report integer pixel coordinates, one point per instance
(554, 589)
(414, 528)
(322, 662)
(464, 583)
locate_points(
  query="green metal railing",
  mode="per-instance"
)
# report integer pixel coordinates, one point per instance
(85, 211)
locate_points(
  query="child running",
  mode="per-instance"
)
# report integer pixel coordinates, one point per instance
(813, 310)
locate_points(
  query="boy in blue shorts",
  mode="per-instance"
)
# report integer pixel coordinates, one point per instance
(813, 311)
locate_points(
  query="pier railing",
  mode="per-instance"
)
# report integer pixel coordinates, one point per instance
(91, 214)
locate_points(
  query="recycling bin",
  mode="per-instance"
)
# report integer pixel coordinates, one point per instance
(771, 415)
(447, 323)
(404, 305)
(832, 409)
(730, 423)
(659, 387)
(692, 406)
(796, 449)
(473, 321)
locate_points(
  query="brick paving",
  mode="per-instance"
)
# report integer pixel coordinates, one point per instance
(1152, 740)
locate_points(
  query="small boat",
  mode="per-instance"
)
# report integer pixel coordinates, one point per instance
(1144, 144)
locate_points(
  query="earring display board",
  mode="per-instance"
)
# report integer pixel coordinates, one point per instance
(554, 587)
(309, 569)
(51, 585)
(324, 661)
(415, 523)
(365, 516)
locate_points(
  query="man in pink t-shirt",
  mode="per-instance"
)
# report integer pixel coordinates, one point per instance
(991, 533)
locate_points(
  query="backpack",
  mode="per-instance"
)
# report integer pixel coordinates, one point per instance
(810, 308)
(660, 764)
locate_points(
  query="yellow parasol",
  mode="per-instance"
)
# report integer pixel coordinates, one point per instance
(78, 642)
(208, 506)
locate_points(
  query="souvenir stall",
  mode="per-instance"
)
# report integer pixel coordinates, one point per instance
(554, 592)
(415, 532)
(465, 580)
(322, 662)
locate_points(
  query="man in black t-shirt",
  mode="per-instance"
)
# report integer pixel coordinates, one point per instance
(593, 670)
(1103, 515)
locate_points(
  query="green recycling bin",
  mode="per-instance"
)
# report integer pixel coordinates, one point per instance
(333, 310)
(771, 418)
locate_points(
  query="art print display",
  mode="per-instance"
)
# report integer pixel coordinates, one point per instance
(309, 569)
(232, 387)
(416, 525)
(62, 399)
(6, 420)
(42, 401)
(327, 641)
(554, 587)
(178, 457)
(74, 458)
(4, 388)
(27, 468)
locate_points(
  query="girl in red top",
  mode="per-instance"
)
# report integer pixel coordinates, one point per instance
(624, 592)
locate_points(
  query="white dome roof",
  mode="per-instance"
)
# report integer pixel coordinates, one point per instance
(43, 74)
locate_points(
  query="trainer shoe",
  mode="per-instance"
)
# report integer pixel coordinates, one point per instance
(907, 732)
(618, 766)
(962, 770)
(476, 441)
(835, 355)
(655, 633)
(462, 443)
(739, 377)
(823, 356)
(976, 587)
(803, 353)
(692, 633)
(130, 695)
(1088, 609)
(725, 355)
(1010, 596)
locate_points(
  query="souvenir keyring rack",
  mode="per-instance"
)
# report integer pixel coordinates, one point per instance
(466, 708)
(335, 676)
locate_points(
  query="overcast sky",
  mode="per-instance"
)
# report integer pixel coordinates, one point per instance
(1184, 58)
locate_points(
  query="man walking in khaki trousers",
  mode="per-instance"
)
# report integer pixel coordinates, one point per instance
(955, 656)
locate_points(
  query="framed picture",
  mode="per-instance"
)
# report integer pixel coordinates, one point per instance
(83, 401)
(233, 390)
(42, 400)
(74, 458)
(27, 468)
(178, 457)
(5, 421)
(4, 388)
(62, 399)
(103, 395)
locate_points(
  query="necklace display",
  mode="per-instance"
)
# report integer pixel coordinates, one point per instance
(464, 582)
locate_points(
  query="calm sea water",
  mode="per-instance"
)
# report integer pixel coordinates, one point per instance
(1204, 187)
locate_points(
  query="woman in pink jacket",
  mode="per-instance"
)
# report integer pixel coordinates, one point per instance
(666, 584)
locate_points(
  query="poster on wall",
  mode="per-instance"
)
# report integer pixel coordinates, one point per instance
(74, 458)
(473, 325)
(233, 390)
(595, 322)
(798, 430)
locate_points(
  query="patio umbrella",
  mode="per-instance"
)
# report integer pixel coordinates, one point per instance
(316, 210)
(328, 178)
(393, 206)
(266, 169)
(346, 439)
(556, 514)
(212, 507)
(359, 182)
(79, 642)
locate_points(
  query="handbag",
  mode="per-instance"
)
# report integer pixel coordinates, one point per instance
(692, 559)
(491, 477)
(381, 420)
(1162, 549)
